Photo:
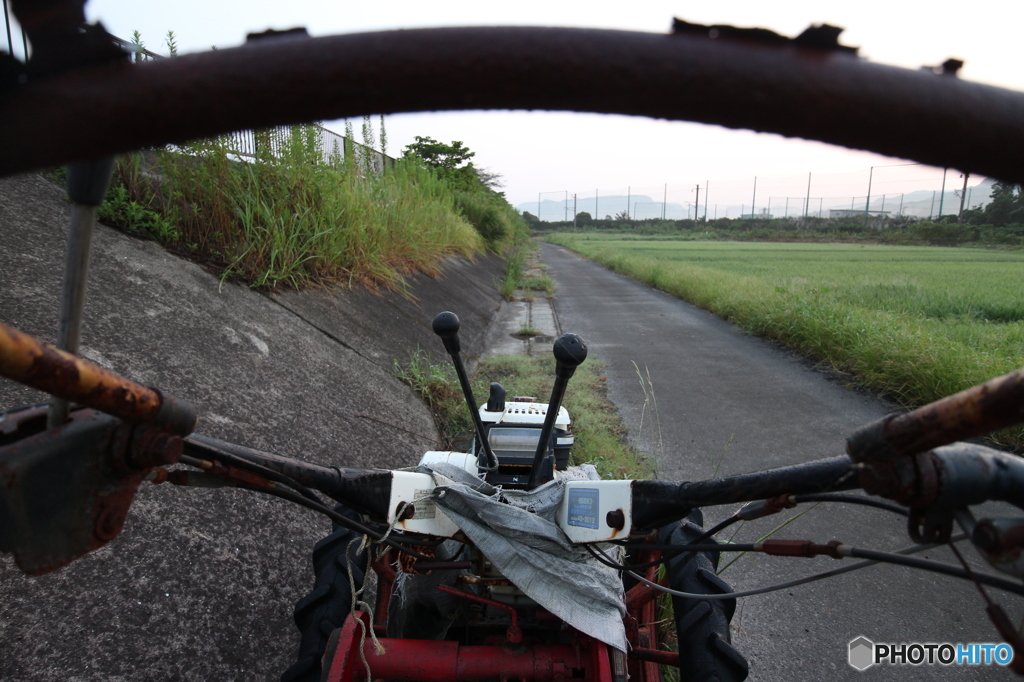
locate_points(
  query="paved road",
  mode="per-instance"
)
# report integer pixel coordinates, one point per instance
(723, 395)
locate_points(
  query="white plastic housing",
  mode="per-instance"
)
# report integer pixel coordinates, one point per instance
(524, 413)
(583, 514)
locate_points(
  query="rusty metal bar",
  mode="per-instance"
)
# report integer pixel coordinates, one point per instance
(655, 656)
(780, 88)
(640, 594)
(995, 404)
(29, 361)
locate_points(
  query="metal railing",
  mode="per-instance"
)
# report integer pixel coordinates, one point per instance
(334, 148)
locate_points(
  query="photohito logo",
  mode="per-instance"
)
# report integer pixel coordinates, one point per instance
(864, 653)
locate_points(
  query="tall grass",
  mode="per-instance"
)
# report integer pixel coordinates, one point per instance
(915, 323)
(286, 218)
(494, 219)
(515, 263)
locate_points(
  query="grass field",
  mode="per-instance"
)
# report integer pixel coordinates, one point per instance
(916, 323)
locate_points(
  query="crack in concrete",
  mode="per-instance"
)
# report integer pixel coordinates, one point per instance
(315, 326)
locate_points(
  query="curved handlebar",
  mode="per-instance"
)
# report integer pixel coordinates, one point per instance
(995, 404)
(818, 94)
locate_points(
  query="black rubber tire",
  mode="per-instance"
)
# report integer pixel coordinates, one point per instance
(706, 653)
(324, 609)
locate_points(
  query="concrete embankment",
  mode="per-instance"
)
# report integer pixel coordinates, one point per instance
(201, 583)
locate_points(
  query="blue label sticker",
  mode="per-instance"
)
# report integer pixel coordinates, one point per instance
(584, 504)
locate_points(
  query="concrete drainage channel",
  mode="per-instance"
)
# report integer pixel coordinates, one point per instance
(526, 325)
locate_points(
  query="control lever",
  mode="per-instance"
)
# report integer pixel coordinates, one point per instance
(570, 352)
(87, 186)
(446, 325)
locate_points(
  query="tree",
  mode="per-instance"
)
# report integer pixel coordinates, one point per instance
(444, 157)
(584, 218)
(446, 160)
(1007, 205)
(489, 179)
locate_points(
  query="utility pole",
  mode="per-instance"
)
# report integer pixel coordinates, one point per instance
(787, 208)
(706, 201)
(821, 200)
(943, 195)
(696, 204)
(567, 206)
(596, 213)
(867, 203)
(963, 196)
(573, 209)
(753, 201)
(931, 209)
(629, 197)
(807, 203)
(900, 214)
(705, 209)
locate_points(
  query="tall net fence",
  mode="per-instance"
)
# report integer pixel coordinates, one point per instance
(890, 191)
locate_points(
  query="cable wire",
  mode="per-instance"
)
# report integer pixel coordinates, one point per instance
(852, 499)
(242, 463)
(872, 556)
(340, 519)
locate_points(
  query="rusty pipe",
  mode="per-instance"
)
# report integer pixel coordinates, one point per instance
(29, 361)
(824, 95)
(995, 404)
(655, 656)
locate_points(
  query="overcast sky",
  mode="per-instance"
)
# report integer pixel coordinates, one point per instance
(581, 153)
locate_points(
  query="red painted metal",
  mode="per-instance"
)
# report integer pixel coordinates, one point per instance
(434, 661)
(641, 625)
(513, 634)
(601, 660)
(639, 595)
(385, 585)
(655, 656)
(342, 662)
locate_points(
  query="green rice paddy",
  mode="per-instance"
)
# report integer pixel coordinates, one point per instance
(913, 322)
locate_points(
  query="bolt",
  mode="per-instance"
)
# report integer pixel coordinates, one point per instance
(405, 511)
(157, 476)
(109, 522)
(985, 536)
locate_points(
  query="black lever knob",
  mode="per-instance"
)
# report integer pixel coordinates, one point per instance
(570, 352)
(446, 325)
